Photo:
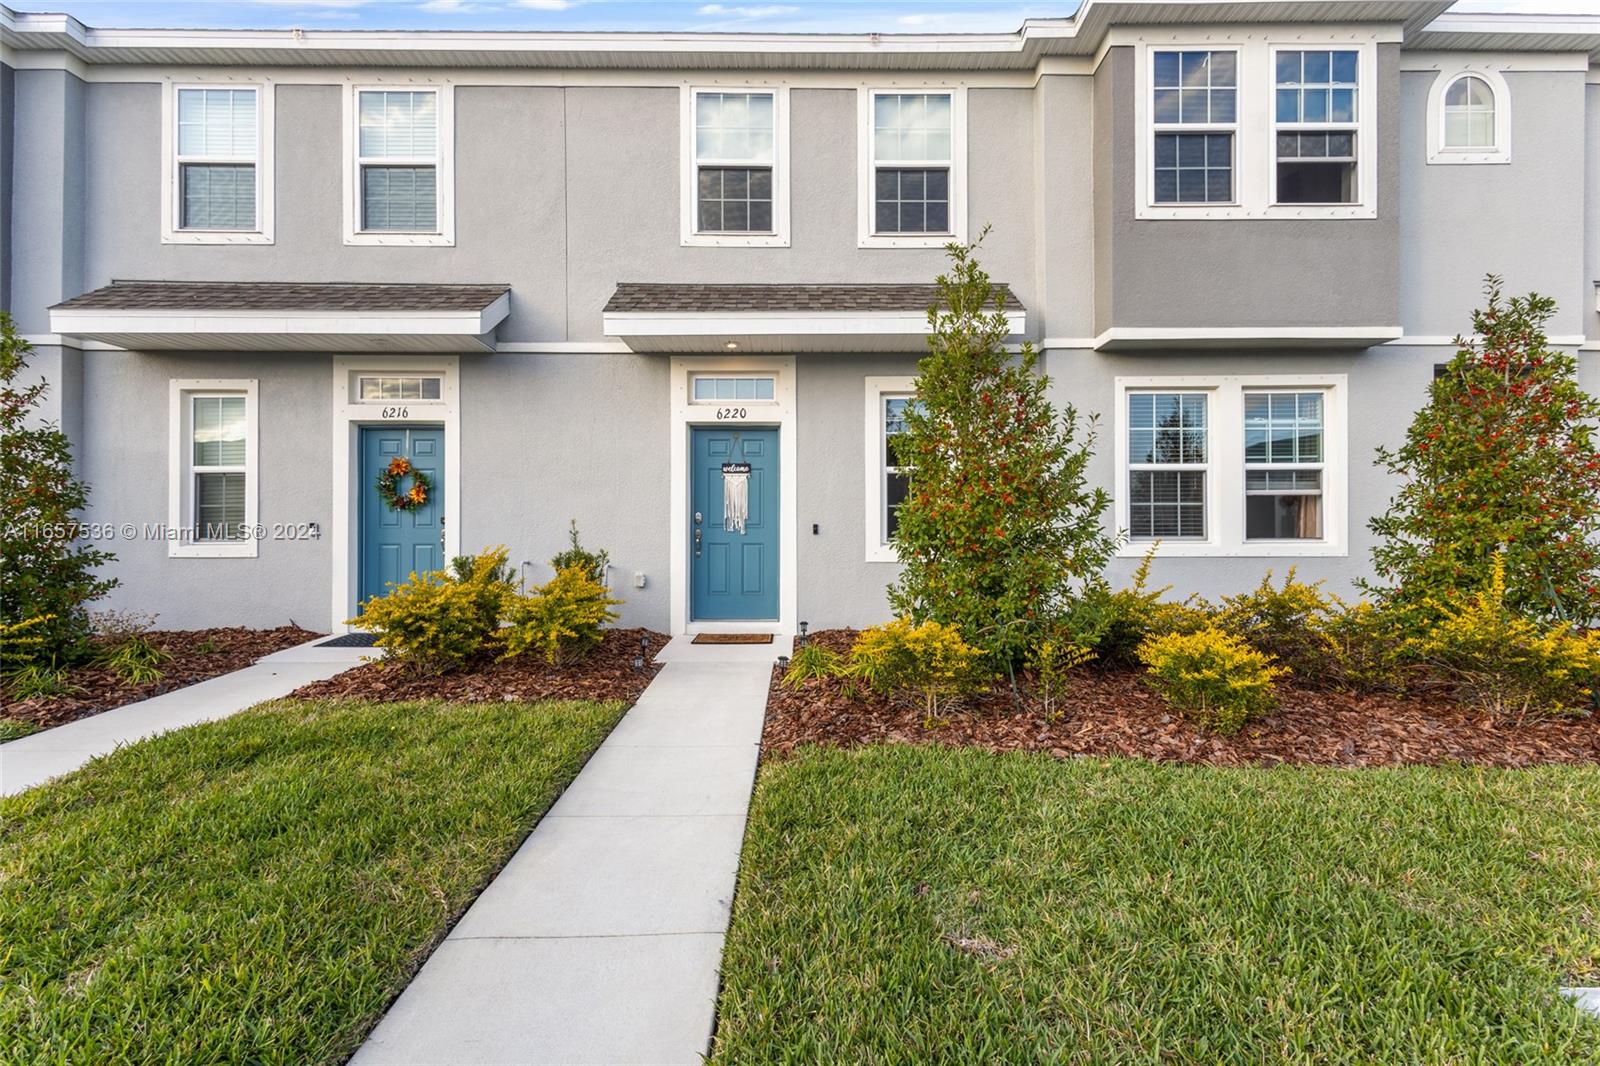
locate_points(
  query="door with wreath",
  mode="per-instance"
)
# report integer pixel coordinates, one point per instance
(402, 505)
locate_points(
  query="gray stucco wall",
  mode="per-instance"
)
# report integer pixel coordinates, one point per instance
(1240, 272)
(8, 156)
(1591, 214)
(1459, 222)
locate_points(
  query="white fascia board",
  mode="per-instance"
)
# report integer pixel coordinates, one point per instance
(762, 324)
(1246, 336)
(396, 323)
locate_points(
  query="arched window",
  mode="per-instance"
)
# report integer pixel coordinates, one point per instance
(1469, 105)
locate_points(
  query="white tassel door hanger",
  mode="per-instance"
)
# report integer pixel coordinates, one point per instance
(735, 496)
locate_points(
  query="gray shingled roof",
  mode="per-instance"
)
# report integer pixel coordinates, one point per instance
(282, 296)
(674, 298)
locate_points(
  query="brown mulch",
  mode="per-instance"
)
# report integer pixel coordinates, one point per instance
(1110, 712)
(604, 675)
(197, 655)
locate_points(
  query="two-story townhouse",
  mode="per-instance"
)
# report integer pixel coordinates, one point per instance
(623, 278)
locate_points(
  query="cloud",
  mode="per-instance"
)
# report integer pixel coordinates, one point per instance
(764, 11)
(332, 4)
(544, 5)
(451, 7)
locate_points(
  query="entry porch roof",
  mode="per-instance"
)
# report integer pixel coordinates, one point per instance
(691, 317)
(286, 316)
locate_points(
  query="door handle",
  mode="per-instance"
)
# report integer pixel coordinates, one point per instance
(441, 534)
(697, 541)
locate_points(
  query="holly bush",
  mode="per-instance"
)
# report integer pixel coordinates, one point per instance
(47, 570)
(999, 527)
(1501, 461)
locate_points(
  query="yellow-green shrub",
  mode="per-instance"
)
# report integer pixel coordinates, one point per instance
(1212, 675)
(561, 619)
(436, 621)
(931, 659)
(810, 661)
(1503, 663)
(22, 642)
(1363, 650)
(1114, 622)
(1287, 622)
(1052, 660)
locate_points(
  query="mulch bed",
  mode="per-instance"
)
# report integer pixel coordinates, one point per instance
(197, 655)
(605, 674)
(1111, 712)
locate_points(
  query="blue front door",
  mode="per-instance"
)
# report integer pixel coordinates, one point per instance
(734, 575)
(396, 543)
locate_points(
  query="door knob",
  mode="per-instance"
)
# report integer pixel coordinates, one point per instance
(697, 542)
(698, 518)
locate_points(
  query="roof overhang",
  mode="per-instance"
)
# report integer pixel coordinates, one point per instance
(1191, 338)
(458, 329)
(812, 331)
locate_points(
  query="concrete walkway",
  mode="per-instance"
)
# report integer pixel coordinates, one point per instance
(33, 760)
(601, 939)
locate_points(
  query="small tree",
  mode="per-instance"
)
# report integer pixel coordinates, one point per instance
(46, 569)
(1000, 526)
(1501, 460)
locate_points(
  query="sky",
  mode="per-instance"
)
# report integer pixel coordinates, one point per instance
(769, 16)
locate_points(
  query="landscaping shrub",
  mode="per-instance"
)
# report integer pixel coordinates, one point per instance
(134, 659)
(1052, 660)
(22, 644)
(562, 619)
(488, 574)
(1504, 664)
(930, 658)
(1212, 675)
(47, 570)
(1363, 650)
(594, 564)
(1000, 525)
(1114, 622)
(810, 661)
(436, 621)
(37, 679)
(1288, 622)
(1501, 461)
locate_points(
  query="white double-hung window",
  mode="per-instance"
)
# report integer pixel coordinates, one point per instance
(736, 175)
(212, 472)
(399, 173)
(888, 477)
(1195, 118)
(218, 166)
(1316, 120)
(1248, 465)
(913, 153)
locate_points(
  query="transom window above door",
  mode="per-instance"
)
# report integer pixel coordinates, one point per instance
(736, 166)
(715, 388)
(378, 387)
(913, 185)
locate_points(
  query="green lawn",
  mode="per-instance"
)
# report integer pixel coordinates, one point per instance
(258, 889)
(902, 904)
(10, 729)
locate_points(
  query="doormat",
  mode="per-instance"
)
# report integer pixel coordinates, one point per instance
(351, 640)
(732, 638)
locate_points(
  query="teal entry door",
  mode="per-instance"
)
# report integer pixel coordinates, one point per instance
(733, 575)
(395, 543)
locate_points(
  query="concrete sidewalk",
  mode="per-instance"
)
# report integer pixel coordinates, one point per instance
(33, 760)
(600, 941)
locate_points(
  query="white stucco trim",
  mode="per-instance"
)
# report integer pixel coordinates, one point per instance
(180, 504)
(689, 164)
(348, 416)
(878, 549)
(1225, 497)
(1257, 336)
(781, 412)
(171, 211)
(444, 161)
(1254, 153)
(866, 166)
(1469, 65)
(776, 324)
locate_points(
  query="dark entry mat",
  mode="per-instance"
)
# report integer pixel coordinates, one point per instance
(732, 638)
(351, 640)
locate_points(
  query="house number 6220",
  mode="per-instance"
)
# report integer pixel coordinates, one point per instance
(396, 412)
(724, 413)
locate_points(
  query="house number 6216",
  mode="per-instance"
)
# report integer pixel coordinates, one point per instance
(724, 413)
(396, 412)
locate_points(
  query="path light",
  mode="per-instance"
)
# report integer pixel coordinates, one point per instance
(783, 663)
(644, 650)
(803, 627)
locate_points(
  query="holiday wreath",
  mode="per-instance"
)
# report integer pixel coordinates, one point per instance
(389, 485)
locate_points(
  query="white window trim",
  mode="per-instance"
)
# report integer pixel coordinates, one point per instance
(171, 210)
(1255, 149)
(878, 548)
(1365, 79)
(179, 458)
(444, 161)
(1157, 128)
(747, 374)
(355, 396)
(1448, 76)
(867, 167)
(1225, 495)
(688, 181)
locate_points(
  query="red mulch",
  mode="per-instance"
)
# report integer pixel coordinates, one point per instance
(96, 689)
(1111, 712)
(604, 675)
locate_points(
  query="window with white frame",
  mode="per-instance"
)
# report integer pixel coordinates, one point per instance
(1469, 117)
(914, 146)
(1232, 465)
(1315, 121)
(213, 490)
(716, 388)
(887, 471)
(1195, 116)
(1469, 113)
(735, 146)
(896, 467)
(400, 173)
(380, 387)
(217, 169)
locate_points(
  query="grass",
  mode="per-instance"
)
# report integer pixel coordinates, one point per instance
(258, 889)
(11, 729)
(901, 904)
